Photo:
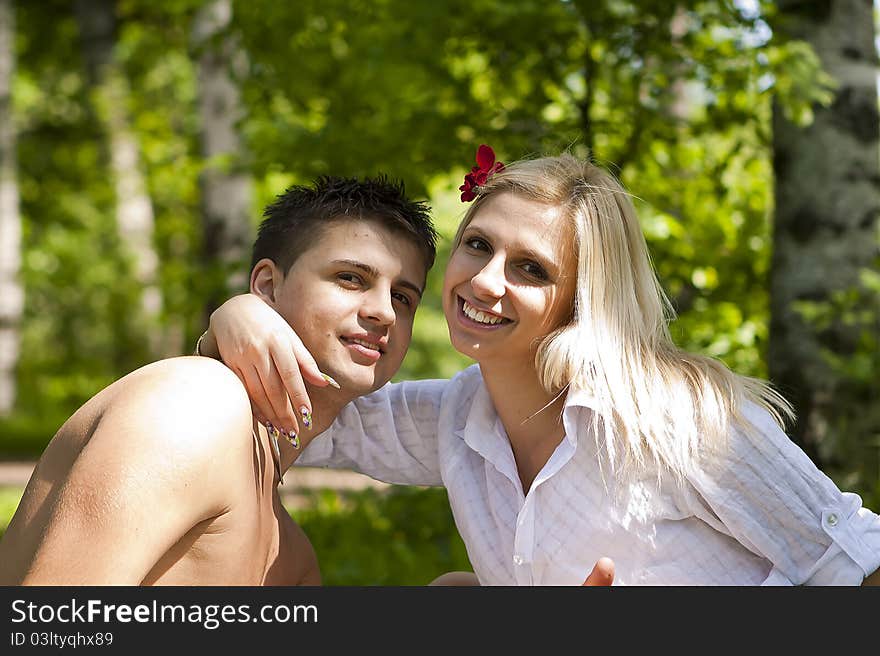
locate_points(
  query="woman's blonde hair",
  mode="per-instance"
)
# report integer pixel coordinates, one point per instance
(656, 404)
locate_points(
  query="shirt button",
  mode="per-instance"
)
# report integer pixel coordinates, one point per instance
(832, 520)
(517, 560)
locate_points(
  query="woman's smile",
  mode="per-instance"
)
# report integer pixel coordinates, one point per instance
(478, 318)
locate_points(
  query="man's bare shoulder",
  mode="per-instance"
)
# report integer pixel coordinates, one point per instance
(136, 468)
(186, 406)
(188, 390)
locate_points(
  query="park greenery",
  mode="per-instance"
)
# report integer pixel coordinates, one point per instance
(676, 98)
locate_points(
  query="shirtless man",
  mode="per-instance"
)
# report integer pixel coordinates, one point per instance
(155, 481)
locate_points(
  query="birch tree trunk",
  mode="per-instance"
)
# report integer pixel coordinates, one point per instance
(226, 188)
(11, 287)
(134, 209)
(827, 194)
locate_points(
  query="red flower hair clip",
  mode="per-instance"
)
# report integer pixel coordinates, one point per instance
(486, 166)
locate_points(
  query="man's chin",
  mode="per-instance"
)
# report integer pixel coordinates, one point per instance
(358, 383)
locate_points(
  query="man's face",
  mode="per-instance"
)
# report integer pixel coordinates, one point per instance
(351, 298)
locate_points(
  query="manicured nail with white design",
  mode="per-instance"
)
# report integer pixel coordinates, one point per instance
(331, 381)
(293, 438)
(307, 417)
(275, 432)
(275, 448)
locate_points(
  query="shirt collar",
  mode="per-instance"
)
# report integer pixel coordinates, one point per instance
(581, 398)
(482, 430)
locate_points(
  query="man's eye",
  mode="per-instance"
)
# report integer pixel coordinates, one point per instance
(350, 278)
(403, 298)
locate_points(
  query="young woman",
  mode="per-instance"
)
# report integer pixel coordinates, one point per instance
(582, 431)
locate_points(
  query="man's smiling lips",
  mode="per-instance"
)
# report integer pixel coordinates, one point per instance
(369, 346)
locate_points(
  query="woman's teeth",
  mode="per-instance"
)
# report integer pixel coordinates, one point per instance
(480, 317)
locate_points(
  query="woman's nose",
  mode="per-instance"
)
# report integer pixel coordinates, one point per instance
(490, 280)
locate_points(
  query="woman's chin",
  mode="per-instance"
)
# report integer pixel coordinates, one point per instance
(467, 346)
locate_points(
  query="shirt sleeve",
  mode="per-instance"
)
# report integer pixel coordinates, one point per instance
(766, 493)
(390, 435)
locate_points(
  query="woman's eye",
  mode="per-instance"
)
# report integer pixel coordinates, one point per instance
(477, 244)
(535, 270)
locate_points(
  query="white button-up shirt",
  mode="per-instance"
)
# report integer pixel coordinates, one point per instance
(763, 514)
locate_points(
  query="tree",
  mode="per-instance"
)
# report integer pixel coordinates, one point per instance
(226, 184)
(11, 287)
(134, 209)
(827, 197)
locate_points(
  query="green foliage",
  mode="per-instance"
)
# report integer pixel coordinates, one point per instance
(81, 326)
(857, 310)
(26, 436)
(402, 536)
(9, 499)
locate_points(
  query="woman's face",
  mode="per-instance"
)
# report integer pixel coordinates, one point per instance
(511, 279)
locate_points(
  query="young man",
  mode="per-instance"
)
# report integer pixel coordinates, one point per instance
(166, 476)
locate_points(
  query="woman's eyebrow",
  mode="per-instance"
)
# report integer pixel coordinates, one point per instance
(373, 272)
(541, 258)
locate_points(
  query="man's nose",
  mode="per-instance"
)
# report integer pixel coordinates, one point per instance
(378, 307)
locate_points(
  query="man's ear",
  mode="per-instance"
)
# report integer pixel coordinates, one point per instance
(265, 280)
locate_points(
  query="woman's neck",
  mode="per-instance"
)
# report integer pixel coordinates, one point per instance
(530, 415)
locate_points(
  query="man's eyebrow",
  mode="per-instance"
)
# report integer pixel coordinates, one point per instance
(374, 273)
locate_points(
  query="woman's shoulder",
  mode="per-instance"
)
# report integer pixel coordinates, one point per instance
(756, 426)
(441, 390)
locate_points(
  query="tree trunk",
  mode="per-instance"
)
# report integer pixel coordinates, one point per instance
(11, 287)
(826, 223)
(226, 188)
(134, 209)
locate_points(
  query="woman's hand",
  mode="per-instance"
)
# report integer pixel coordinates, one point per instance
(261, 348)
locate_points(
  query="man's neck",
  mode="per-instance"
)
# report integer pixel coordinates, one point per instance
(327, 403)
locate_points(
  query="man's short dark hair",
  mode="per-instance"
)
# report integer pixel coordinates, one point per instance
(297, 218)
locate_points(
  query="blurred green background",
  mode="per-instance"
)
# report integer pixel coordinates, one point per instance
(142, 140)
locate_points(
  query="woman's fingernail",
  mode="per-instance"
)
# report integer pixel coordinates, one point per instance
(274, 432)
(331, 381)
(307, 417)
(293, 438)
